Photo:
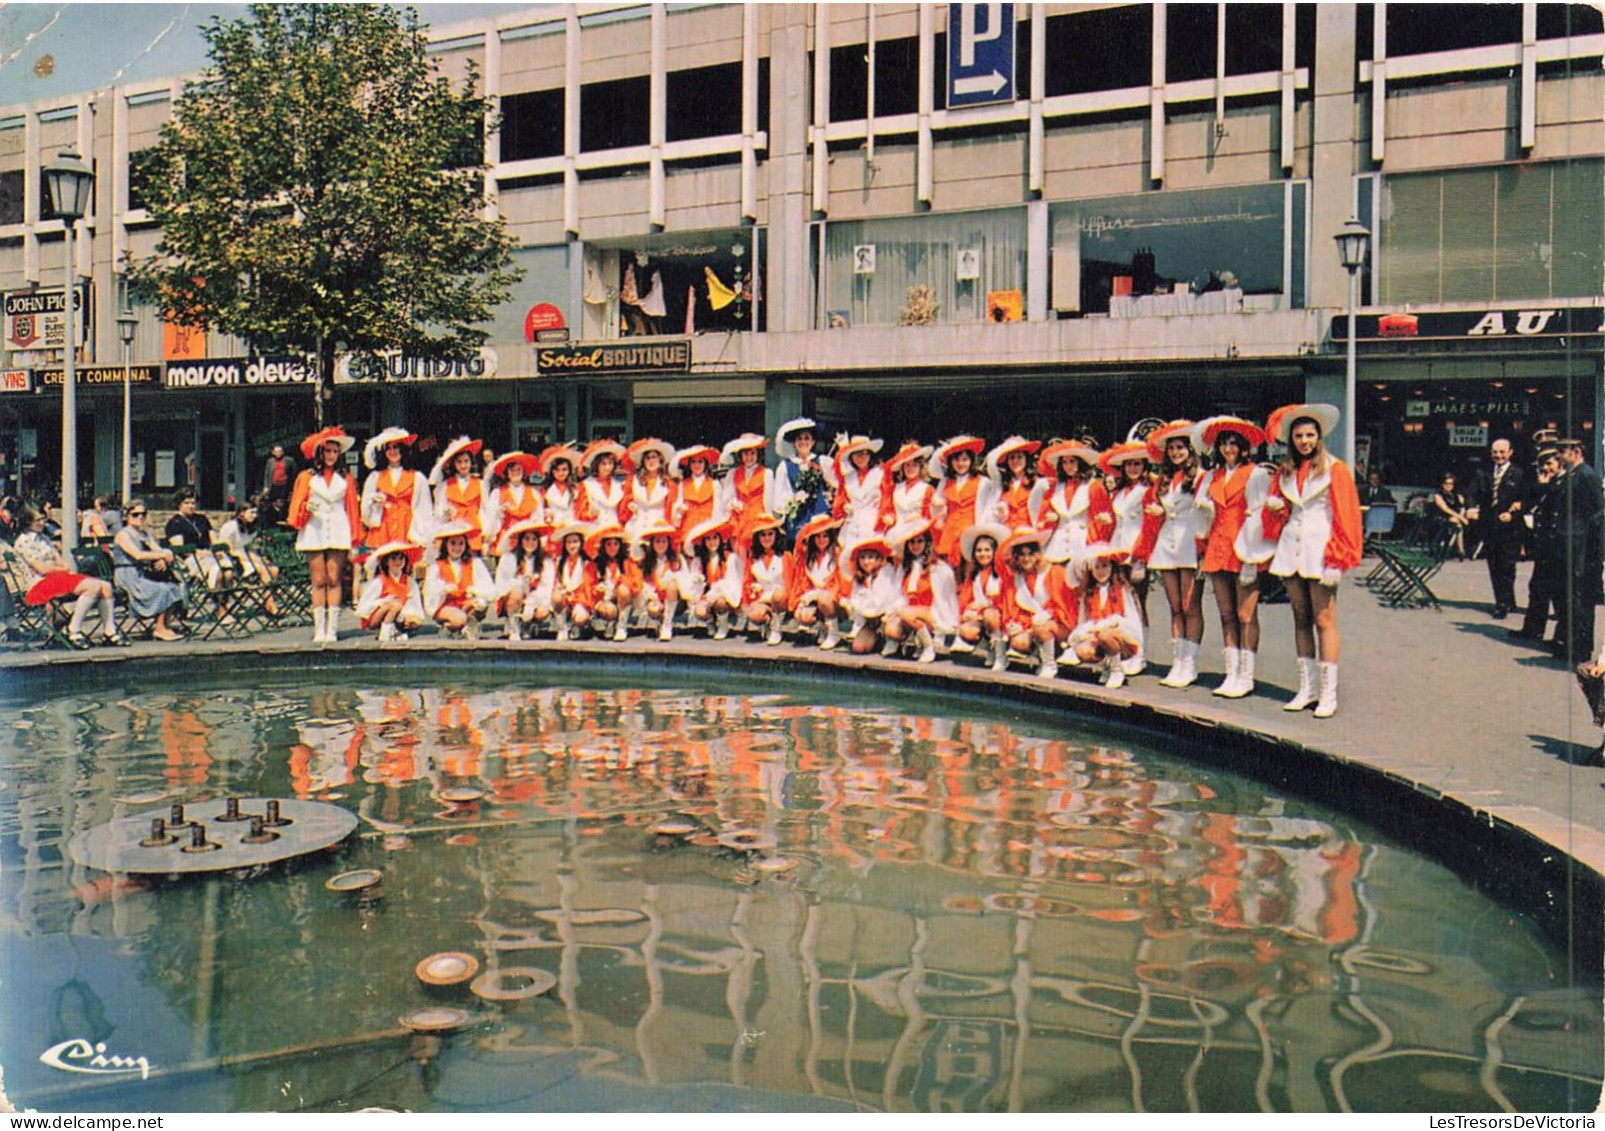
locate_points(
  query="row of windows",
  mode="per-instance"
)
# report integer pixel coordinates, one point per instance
(1420, 29)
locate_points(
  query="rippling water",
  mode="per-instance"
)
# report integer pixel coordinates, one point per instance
(874, 908)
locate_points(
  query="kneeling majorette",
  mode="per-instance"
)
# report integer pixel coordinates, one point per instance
(814, 596)
(391, 602)
(458, 589)
(1109, 630)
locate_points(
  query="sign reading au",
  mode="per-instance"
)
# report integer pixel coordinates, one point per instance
(37, 319)
(980, 54)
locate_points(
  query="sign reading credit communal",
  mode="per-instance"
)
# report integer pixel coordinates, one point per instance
(238, 373)
(584, 360)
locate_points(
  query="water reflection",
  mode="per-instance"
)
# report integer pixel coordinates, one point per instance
(873, 909)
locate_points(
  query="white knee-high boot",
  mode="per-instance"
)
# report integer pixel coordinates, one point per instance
(1326, 707)
(1178, 663)
(1000, 653)
(1245, 676)
(1307, 671)
(666, 629)
(1229, 684)
(1047, 666)
(564, 622)
(927, 646)
(1134, 665)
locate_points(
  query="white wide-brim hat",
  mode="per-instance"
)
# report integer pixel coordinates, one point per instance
(784, 448)
(372, 449)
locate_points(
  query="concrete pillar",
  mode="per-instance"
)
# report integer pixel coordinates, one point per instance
(789, 292)
(1336, 146)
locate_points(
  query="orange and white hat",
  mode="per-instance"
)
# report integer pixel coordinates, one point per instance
(1048, 464)
(908, 453)
(684, 456)
(819, 524)
(1325, 416)
(1175, 430)
(452, 530)
(899, 535)
(527, 526)
(951, 447)
(876, 542)
(599, 448)
(554, 453)
(644, 536)
(701, 530)
(595, 537)
(995, 458)
(1022, 536)
(371, 450)
(560, 535)
(784, 448)
(993, 530)
(765, 521)
(400, 546)
(637, 451)
(522, 459)
(858, 444)
(1122, 454)
(332, 435)
(1210, 430)
(453, 450)
(740, 444)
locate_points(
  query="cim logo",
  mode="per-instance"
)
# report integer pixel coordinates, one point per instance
(78, 1055)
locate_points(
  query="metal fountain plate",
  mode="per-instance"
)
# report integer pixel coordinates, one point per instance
(115, 847)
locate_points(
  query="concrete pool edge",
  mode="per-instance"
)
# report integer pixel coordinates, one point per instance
(1524, 855)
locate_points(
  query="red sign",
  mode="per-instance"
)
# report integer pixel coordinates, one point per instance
(16, 381)
(542, 316)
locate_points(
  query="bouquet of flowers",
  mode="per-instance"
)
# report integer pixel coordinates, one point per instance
(810, 483)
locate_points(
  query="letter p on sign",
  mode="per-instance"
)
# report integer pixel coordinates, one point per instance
(980, 54)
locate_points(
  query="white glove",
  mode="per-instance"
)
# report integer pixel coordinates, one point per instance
(316, 506)
(1330, 577)
(1249, 574)
(1274, 504)
(1154, 509)
(1139, 570)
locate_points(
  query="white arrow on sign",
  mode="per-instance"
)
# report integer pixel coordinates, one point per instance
(977, 84)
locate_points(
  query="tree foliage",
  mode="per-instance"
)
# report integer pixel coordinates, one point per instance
(321, 184)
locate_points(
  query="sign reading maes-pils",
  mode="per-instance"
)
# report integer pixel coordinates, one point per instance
(362, 367)
(584, 361)
(36, 320)
(238, 373)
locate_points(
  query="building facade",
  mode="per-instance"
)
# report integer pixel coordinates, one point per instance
(915, 219)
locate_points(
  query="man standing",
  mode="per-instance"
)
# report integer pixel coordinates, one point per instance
(278, 476)
(1499, 502)
(1545, 586)
(1582, 512)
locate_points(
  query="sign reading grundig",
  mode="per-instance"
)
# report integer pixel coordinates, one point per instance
(475, 366)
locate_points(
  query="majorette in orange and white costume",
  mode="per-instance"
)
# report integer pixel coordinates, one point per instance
(862, 490)
(913, 496)
(1109, 628)
(814, 595)
(958, 490)
(560, 496)
(1128, 462)
(458, 591)
(459, 493)
(717, 572)
(1073, 510)
(744, 493)
(603, 498)
(1169, 542)
(928, 603)
(696, 502)
(524, 578)
(1227, 494)
(1040, 602)
(396, 502)
(324, 509)
(1008, 470)
(981, 594)
(1314, 514)
(869, 589)
(651, 486)
(515, 500)
(763, 592)
(391, 601)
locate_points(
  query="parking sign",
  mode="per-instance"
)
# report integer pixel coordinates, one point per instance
(980, 54)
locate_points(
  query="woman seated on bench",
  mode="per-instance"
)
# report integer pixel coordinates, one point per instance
(57, 581)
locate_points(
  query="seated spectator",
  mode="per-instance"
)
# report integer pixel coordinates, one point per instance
(52, 527)
(239, 531)
(54, 579)
(100, 521)
(1374, 493)
(189, 527)
(10, 512)
(145, 571)
(1451, 506)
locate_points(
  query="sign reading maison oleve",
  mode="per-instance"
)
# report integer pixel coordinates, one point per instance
(1474, 324)
(587, 360)
(238, 373)
(396, 366)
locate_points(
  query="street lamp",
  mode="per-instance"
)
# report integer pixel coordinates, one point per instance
(1354, 242)
(70, 182)
(126, 325)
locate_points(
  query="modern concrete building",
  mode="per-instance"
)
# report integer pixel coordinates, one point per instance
(920, 218)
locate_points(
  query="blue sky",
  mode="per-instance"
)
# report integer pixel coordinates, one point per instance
(92, 45)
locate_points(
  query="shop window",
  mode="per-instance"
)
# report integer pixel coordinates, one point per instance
(849, 83)
(11, 192)
(897, 73)
(1189, 42)
(1106, 49)
(1476, 235)
(1253, 38)
(972, 264)
(1304, 38)
(532, 125)
(141, 166)
(703, 102)
(689, 283)
(1187, 243)
(1562, 21)
(1417, 29)
(614, 115)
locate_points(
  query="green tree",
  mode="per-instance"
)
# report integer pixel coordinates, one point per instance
(321, 187)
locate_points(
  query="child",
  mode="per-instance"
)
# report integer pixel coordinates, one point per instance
(524, 580)
(815, 592)
(1109, 630)
(458, 589)
(390, 601)
(764, 592)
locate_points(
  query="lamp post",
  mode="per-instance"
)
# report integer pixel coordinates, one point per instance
(1354, 242)
(70, 182)
(126, 325)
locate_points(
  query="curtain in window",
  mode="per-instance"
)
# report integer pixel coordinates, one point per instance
(1478, 235)
(924, 250)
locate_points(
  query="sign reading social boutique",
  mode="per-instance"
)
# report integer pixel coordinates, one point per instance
(358, 368)
(581, 360)
(258, 373)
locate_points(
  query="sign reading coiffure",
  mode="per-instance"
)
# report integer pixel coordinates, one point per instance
(239, 373)
(361, 367)
(584, 360)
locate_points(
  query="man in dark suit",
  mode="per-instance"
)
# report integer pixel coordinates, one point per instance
(1547, 583)
(1582, 518)
(1498, 500)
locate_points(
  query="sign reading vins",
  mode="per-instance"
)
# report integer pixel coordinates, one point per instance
(581, 360)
